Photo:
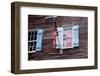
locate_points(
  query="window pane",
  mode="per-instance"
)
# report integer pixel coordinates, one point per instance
(28, 38)
(33, 33)
(31, 37)
(31, 43)
(67, 38)
(28, 43)
(35, 37)
(34, 47)
(35, 43)
(29, 33)
(30, 48)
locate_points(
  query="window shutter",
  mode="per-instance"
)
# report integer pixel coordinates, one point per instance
(76, 35)
(39, 39)
(59, 40)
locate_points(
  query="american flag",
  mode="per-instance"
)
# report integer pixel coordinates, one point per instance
(55, 36)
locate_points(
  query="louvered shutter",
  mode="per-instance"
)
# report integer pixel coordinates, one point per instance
(39, 40)
(76, 35)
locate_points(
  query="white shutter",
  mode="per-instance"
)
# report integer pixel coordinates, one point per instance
(59, 40)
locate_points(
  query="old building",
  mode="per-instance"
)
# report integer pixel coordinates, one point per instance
(45, 27)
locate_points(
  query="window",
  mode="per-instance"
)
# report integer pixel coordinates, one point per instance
(34, 40)
(68, 37)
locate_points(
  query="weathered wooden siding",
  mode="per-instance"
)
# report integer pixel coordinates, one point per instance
(48, 52)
